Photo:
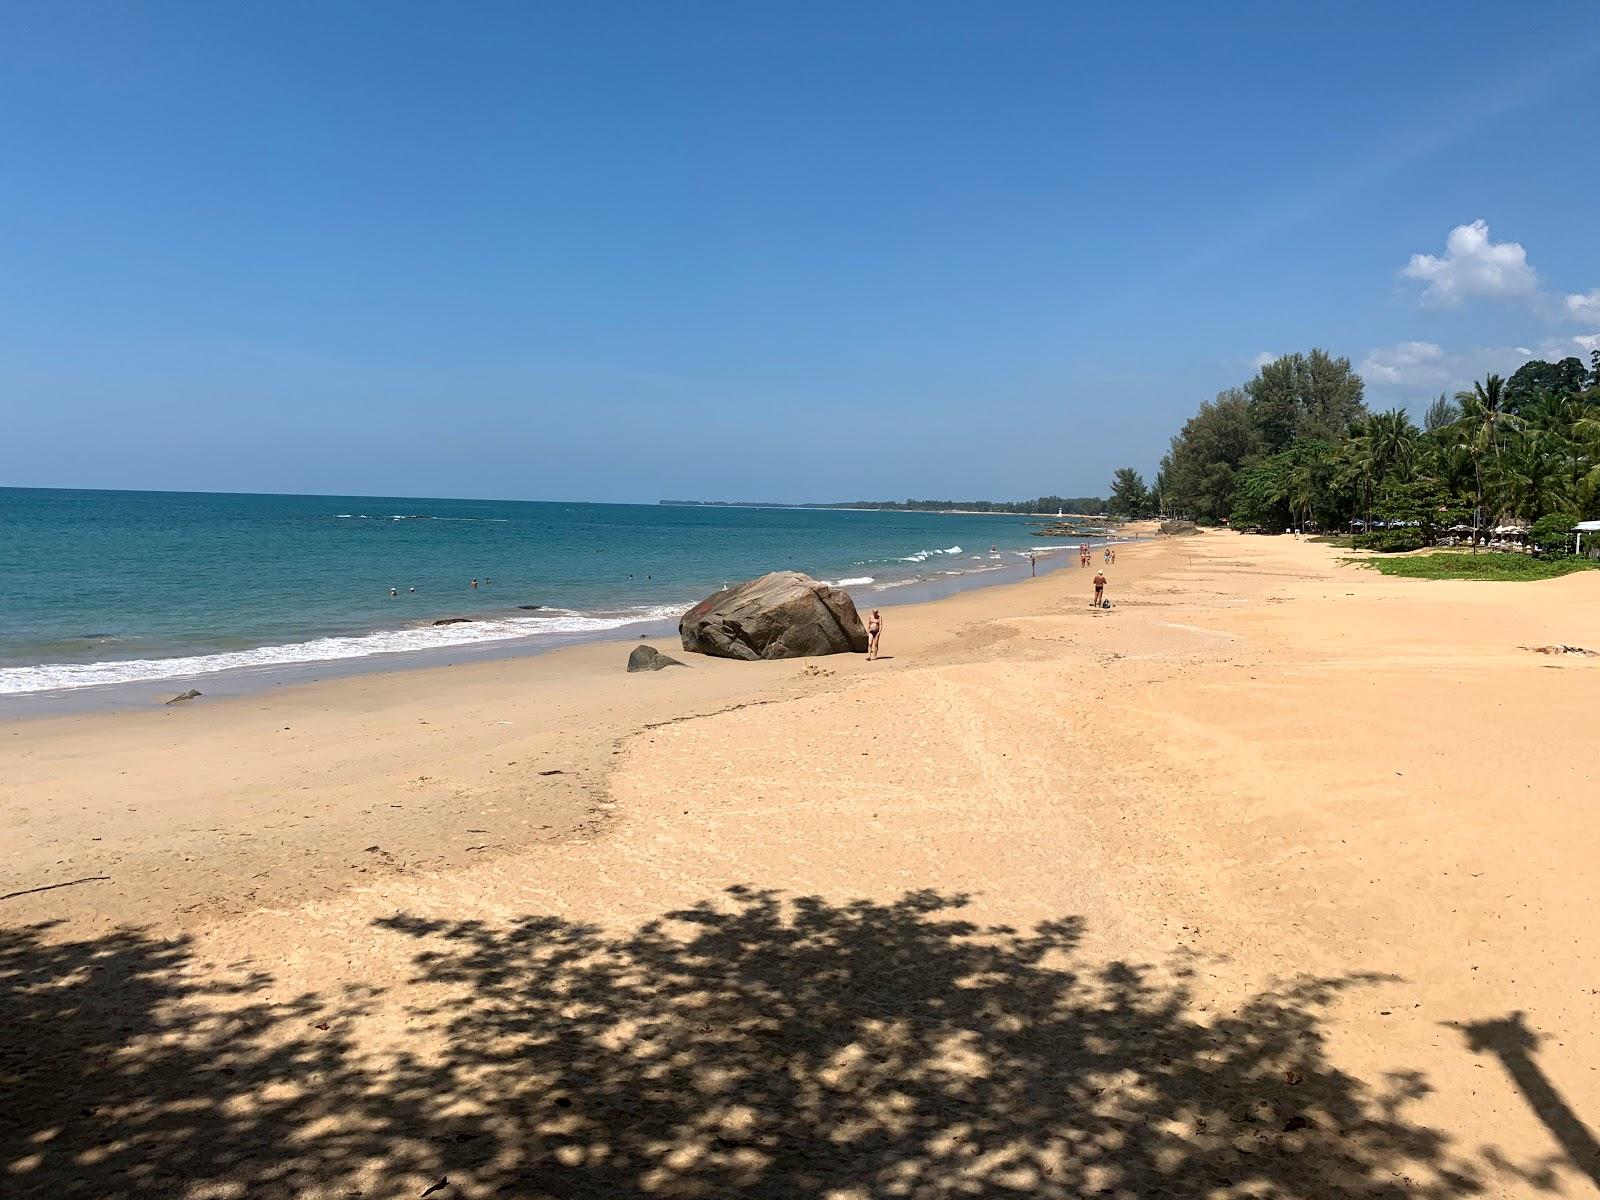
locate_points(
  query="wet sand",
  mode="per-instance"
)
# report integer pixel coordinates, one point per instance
(1274, 879)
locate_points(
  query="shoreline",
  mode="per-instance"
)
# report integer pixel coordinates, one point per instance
(249, 680)
(474, 722)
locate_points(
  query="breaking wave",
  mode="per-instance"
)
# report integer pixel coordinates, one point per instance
(49, 677)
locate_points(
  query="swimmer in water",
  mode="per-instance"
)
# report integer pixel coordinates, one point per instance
(474, 585)
(393, 592)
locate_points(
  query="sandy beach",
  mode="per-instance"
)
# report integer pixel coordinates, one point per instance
(1275, 879)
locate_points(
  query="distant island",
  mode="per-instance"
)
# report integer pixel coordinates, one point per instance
(1088, 506)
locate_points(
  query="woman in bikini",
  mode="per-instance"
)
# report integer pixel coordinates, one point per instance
(874, 628)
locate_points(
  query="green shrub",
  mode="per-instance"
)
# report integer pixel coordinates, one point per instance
(1552, 534)
(1388, 541)
(1493, 565)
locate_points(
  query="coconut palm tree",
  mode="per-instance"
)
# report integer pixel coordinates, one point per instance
(1484, 409)
(1562, 418)
(1484, 421)
(1533, 477)
(1393, 441)
(1586, 435)
(1356, 469)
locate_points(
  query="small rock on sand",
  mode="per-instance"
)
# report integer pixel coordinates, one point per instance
(648, 658)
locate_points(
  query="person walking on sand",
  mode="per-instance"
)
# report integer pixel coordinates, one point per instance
(1033, 564)
(1099, 588)
(874, 631)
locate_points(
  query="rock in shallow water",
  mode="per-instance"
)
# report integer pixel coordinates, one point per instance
(781, 615)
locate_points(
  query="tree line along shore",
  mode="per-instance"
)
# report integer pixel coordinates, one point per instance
(1297, 448)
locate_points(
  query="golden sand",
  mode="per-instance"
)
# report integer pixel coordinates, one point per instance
(1279, 878)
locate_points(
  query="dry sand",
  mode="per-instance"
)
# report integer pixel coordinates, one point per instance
(1277, 879)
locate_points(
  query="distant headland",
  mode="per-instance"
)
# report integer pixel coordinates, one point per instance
(1086, 506)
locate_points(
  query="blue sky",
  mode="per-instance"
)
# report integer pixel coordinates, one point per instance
(626, 251)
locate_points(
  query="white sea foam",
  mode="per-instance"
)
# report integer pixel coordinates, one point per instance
(894, 583)
(15, 681)
(925, 555)
(856, 582)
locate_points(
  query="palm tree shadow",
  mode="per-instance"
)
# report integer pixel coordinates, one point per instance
(1510, 1040)
(753, 1045)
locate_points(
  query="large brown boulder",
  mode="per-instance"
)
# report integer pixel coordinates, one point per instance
(781, 615)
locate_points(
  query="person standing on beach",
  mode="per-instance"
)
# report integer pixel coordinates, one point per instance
(1099, 588)
(1033, 564)
(874, 631)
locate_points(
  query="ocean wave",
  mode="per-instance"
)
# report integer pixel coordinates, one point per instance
(894, 583)
(48, 677)
(855, 582)
(925, 555)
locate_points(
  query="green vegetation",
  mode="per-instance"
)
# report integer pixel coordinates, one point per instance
(1389, 541)
(1553, 534)
(1489, 565)
(1296, 446)
(1129, 496)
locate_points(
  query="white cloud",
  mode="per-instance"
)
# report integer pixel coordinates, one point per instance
(1584, 306)
(1473, 265)
(1265, 358)
(1555, 349)
(1401, 371)
(1407, 364)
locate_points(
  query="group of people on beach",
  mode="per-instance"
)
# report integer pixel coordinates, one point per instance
(1085, 555)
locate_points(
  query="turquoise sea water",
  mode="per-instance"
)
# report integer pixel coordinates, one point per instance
(102, 588)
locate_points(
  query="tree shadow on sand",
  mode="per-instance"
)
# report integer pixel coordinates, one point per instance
(129, 1069)
(750, 1046)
